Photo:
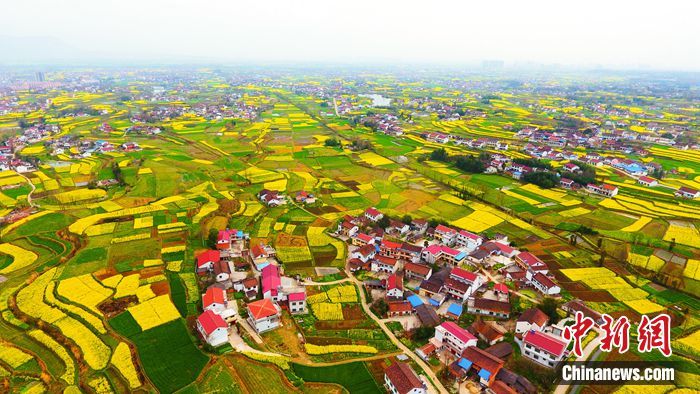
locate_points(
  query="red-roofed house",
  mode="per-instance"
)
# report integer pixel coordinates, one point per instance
(271, 282)
(401, 308)
(528, 261)
(373, 214)
(389, 248)
(262, 251)
(362, 239)
(543, 348)
(347, 228)
(453, 337)
(384, 264)
(437, 253)
(687, 192)
(500, 288)
(206, 261)
(215, 300)
(647, 181)
(364, 253)
(401, 379)
(531, 319)
(394, 286)
(445, 234)
(417, 271)
(263, 315)
(213, 328)
(603, 189)
(468, 240)
(544, 285)
(297, 303)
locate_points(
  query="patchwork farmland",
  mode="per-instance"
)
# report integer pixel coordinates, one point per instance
(217, 232)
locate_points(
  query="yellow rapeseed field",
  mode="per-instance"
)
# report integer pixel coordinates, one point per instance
(21, 258)
(84, 290)
(79, 195)
(154, 312)
(315, 349)
(122, 360)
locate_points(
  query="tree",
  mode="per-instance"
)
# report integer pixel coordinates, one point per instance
(407, 219)
(380, 307)
(212, 238)
(423, 333)
(549, 307)
(332, 142)
(439, 155)
(383, 222)
(545, 180)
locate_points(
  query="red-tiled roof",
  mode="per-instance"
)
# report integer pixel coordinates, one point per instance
(463, 274)
(390, 244)
(459, 332)
(534, 316)
(208, 256)
(544, 280)
(210, 321)
(300, 296)
(372, 212)
(366, 250)
(501, 287)
(262, 308)
(545, 342)
(394, 282)
(417, 268)
(386, 260)
(399, 307)
(646, 179)
(213, 295)
(403, 377)
(270, 279)
(364, 237)
(445, 229)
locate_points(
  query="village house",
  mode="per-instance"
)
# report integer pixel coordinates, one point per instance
(271, 198)
(415, 271)
(467, 240)
(384, 264)
(226, 238)
(419, 226)
(364, 253)
(212, 328)
(249, 287)
(461, 284)
(401, 308)
(528, 261)
(487, 307)
(206, 261)
(603, 190)
(271, 282)
(215, 300)
(409, 252)
(362, 239)
(543, 348)
(222, 270)
(400, 378)
(440, 253)
(566, 183)
(489, 331)
(389, 249)
(544, 284)
(647, 181)
(262, 252)
(394, 286)
(485, 365)
(686, 192)
(347, 228)
(531, 319)
(453, 338)
(373, 214)
(264, 315)
(297, 303)
(305, 197)
(397, 227)
(445, 235)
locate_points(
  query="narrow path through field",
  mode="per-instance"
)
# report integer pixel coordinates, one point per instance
(426, 369)
(29, 196)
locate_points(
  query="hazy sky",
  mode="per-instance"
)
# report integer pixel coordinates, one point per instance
(617, 33)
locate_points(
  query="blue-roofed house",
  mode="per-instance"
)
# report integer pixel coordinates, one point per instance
(464, 363)
(414, 300)
(454, 311)
(485, 364)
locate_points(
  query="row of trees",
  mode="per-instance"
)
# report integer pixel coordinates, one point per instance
(467, 163)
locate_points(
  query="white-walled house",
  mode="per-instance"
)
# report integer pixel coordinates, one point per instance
(213, 328)
(400, 378)
(215, 300)
(543, 348)
(264, 315)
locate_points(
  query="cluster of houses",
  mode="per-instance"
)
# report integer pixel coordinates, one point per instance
(437, 280)
(267, 291)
